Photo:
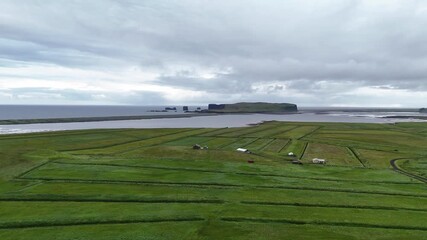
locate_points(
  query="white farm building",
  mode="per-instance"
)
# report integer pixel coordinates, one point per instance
(319, 161)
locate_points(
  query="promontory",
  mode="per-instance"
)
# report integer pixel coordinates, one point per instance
(253, 107)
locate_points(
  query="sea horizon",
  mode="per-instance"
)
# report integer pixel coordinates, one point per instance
(41, 111)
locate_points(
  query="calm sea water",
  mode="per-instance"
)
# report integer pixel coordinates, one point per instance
(46, 111)
(238, 120)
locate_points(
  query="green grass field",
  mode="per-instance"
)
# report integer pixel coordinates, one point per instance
(151, 184)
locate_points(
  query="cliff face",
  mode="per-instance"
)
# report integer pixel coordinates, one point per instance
(216, 106)
(253, 107)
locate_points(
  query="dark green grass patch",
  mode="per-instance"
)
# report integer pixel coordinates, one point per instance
(298, 132)
(245, 132)
(220, 131)
(189, 142)
(382, 138)
(375, 158)
(295, 146)
(219, 142)
(146, 142)
(124, 231)
(334, 155)
(241, 143)
(276, 145)
(415, 166)
(324, 223)
(277, 130)
(259, 144)
(39, 214)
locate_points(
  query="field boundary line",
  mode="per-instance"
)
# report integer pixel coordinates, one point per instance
(266, 145)
(311, 132)
(221, 147)
(33, 184)
(322, 223)
(258, 130)
(79, 222)
(32, 169)
(125, 142)
(304, 150)
(346, 142)
(159, 144)
(135, 182)
(57, 133)
(236, 131)
(67, 198)
(287, 130)
(228, 172)
(219, 135)
(367, 207)
(249, 143)
(354, 154)
(184, 138)
(286, 144)
(222, 185)
(204, 142)
(359, 144)
(274, 134)
(193, 135)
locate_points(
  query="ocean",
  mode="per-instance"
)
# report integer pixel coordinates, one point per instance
(75, 111)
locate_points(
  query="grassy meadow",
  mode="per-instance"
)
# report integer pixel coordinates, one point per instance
(151, 184)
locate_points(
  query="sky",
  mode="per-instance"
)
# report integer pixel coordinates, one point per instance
(355, 53)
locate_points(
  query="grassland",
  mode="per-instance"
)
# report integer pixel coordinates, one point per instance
(151, 184)
(253, 107)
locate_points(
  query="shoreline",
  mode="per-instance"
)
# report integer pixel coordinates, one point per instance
(121, 118)
(407, 117)
(6, 122)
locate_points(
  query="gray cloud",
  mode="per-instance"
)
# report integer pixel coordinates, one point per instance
(50, 96)
(250, 50)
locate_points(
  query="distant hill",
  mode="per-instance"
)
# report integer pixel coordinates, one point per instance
(253, 107)
(423, 110)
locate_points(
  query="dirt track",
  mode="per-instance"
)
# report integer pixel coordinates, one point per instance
(401, 171)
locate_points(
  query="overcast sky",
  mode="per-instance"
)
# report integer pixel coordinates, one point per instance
(153, 52)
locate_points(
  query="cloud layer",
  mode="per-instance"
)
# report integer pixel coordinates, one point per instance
(314, 53)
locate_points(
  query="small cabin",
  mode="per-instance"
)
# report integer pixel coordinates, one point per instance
(243, 150)
(319, 161)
